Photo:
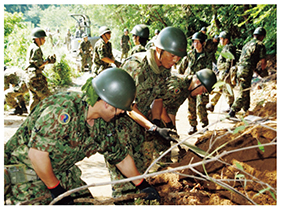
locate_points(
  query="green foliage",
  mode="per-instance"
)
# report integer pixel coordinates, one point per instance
(16, 42)
(60, 73)
(239, 19)
(140, 201)
(89, 90)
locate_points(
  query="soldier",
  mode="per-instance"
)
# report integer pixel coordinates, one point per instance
(86, 49)
(140, 38)
(57, 38)
(252, 52)
(103, 57)
(66, 128)
(196, 60)
(149, 70)
(125, 41)
(181, 87)
(151, 42)
(37, 82)
(15, 88)
(50, 36)
(223, 66)
(211, 47)
(68, 40)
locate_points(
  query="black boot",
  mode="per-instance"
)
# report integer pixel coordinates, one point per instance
(17, 111)
(192, 130)
(23, 107)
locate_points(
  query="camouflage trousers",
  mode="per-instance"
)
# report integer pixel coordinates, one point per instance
(140, 146)
(243, 99)
(86, 60)
(69, 179)
(38, 86)
(199, 102)
(223, 89)
(14, 98)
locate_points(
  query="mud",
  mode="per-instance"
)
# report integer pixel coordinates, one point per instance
(257, 165)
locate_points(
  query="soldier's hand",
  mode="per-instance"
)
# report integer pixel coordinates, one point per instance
(145, 187)
(58, 190)
(163, 132)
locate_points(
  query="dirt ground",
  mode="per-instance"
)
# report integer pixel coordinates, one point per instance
(258, 164)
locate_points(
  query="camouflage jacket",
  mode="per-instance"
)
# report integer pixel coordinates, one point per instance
(150, 85)
(138, 48)
(13, 77)
(125, 42)
(34, 56)
(85, 47)
(190, 65)
(102, 50)
(224, 64)
(252, 53)
(58, 126)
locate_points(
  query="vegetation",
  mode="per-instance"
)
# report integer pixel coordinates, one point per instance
(240, 20)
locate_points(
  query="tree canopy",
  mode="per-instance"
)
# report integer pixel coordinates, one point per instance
(240, 20)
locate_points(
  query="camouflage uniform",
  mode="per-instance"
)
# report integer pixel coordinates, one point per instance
(177, 92)
(224, 66)
(125, 46)
(58, 126)
(37, 82)
(138, 48)
(211, 48)
(102, 50)
(68, 41)
(141, 146)
(189, 66)
(86, 55)
(14, 95)
(252, 53)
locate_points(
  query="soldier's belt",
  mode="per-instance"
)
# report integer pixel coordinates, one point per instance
(18, 173)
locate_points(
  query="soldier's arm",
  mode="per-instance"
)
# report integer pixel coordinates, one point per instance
(137, 116)
(263, 63)
(128, 168)
(42, 165)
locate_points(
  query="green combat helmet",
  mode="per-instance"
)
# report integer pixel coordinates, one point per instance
(38, 33)
(141, 31)
(103, 30)
(225, 34)
(172, 40)
(260, 31)
(199, 36)
(207, 77)
(116, 87)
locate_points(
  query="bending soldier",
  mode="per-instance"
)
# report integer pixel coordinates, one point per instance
(15, 88)
(66, 128)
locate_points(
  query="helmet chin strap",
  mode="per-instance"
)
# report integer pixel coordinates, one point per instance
(194, 89)
(160, 57)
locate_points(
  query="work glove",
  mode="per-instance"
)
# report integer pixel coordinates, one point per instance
(58, 190)
(52, 59)
(145, 187)
(163, 132)
(118, 64)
